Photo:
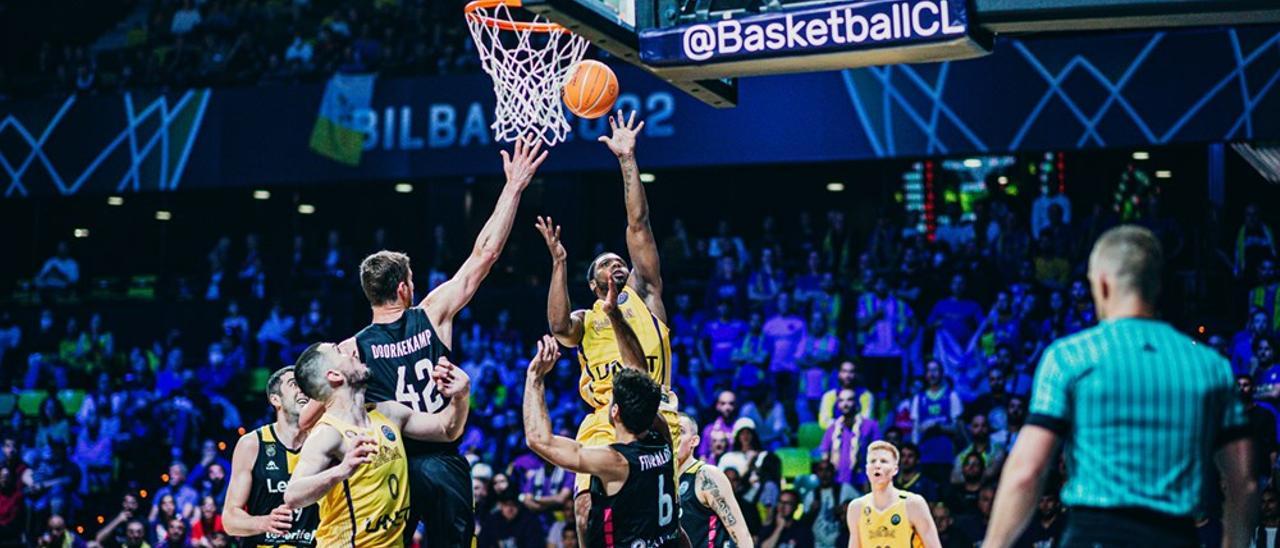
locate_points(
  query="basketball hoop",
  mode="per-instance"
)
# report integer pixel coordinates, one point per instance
(529, 62)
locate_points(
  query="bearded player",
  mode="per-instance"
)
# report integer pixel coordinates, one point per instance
(639, 301)
(403, 342)
(888, 517)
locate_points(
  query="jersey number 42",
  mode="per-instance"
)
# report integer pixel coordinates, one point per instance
(429, 399)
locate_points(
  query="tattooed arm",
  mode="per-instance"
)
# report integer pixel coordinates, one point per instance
(714, 492)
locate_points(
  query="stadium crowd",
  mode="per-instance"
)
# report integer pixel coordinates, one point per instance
(166, 44)
(795, 347)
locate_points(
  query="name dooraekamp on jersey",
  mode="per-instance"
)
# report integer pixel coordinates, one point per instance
(402, 348)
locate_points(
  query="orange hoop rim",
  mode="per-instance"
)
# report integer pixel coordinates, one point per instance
(473, 5)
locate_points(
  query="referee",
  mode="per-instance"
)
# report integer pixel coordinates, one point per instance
(1142, 409)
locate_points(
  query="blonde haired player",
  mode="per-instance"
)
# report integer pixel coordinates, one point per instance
(888, 517)
(633, 294)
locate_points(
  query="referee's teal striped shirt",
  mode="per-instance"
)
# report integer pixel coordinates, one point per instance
(1141, 409)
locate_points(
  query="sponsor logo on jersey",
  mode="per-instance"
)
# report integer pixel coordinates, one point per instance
(389, 433)
(896, 519)
(277, 487)
(271, 466)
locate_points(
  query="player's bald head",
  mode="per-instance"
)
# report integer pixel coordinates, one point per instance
(1130, 258)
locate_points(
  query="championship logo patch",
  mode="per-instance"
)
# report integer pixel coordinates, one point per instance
(866, 510)
(271, 450)
(622, 297)
(896, 519)
(684, 488)
(386, 431)
(350, 433)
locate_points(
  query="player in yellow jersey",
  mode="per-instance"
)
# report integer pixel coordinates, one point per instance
(353, 461)
(888, 517)
(637, 298)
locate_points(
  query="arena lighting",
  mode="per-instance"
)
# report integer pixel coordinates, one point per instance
(163, 215)
(262, 194)
(1141, 155)
(404, 188)
(306, 209)
(1002, 180)
(143, 492)
(80, 233)
(973, 163)
(1164, 174)
(835, 187)
(115, 200)
(648, 177)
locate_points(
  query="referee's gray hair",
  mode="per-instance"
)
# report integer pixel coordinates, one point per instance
(1133, 255)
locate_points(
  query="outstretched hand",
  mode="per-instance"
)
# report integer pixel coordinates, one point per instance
(544, 358)
(521, 166)
(610, 304)
(623, 140)
(551, 235)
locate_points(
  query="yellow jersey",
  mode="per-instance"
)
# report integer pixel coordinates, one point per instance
(369, 509)
(598, 352)
(889, 528)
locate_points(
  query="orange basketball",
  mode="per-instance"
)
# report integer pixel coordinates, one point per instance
(591, 90)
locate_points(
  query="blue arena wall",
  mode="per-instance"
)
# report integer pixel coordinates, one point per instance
(1068, 92)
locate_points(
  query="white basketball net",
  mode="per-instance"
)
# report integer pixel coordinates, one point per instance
(529, 70)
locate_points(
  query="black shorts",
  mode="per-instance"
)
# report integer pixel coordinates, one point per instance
(1126, 528)
(440, 496)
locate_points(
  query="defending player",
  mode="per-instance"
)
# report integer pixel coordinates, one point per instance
(353, 461)
(632, 485)
(888, 517)
(261, 465)
(709, 512)
(640, 302)
(404, 341)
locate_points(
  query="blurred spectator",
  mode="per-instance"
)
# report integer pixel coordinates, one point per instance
(94, 456)
(720, 336)
(1262, 425)
(979, 436)
(511, 524)
(58, 535)
(964, 493)
(822, 505)
(886, 325)
(785, 531)
(273, 336)
(846, 440)
(726, 415)
(1242, 343)
(207, 522)
(817, 351)
(934, 415)
(767, 281)
(951, 537)
(846, 378)
(53, 483)
(1264, 296)
(61, 271)
(910, 478)
(163, 512)
(121, 528)
(1046, 529)
(175, 535)
(1254, 243)
(783, 332)
(1268, 532)
(13, 508)
(750, 356)
(184, 497)
(54, 426)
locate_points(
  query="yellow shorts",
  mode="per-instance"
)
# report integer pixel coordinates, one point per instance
(595, 431)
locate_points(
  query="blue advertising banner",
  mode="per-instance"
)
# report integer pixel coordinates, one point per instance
(832, 35)
(1135, 89)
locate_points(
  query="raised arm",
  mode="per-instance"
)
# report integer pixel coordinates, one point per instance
(316, 473)
(566, 326)
(714, 492)
(448, 425)
(646, 272)
(235, 517)
(628, 342)
(602, 462)
(445, 301)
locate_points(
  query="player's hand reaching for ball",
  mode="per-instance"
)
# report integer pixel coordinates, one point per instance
(551, 234)
(521, 165)
(361, 451)
(278, 522)
(610, 304)
(623, 140)
(450, 379)
(545, 357)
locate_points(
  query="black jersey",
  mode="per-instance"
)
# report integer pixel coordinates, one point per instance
(699, 522)
(400, 356)
(271, 472)
(643, 513)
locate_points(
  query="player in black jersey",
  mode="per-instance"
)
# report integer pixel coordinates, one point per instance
(404, 342)
(260, 468)
(634, 502)
(709, 512)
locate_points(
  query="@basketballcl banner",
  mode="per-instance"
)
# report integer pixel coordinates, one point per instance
(817, 37)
